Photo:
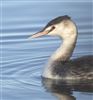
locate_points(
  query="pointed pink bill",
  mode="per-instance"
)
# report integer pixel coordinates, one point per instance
(41, 33)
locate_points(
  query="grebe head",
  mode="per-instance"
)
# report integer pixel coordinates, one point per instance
(61, 26)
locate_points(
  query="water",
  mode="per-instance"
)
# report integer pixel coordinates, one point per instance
(23, 60)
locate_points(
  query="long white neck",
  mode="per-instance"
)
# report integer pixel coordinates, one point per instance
(65, 51)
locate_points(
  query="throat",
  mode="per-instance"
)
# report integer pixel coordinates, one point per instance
(64, 52)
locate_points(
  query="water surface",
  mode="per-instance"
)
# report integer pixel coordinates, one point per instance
(23, 60)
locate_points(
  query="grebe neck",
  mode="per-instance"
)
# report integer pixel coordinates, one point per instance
(65, 50)
(63, 53)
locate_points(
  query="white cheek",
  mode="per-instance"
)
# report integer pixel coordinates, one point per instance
(67, 32)
(59, 29)
(53, 33)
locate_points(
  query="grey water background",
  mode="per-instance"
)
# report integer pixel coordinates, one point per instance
(23, 60)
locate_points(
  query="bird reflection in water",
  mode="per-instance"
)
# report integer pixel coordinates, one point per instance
(63, 89)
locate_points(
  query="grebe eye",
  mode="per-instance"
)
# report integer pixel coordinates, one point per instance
(53, 27)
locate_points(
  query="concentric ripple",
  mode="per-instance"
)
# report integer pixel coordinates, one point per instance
(30, 74)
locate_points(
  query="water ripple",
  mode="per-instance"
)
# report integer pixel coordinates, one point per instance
(22, 59)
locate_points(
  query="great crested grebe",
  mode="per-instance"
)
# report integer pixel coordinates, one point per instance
(59, 65)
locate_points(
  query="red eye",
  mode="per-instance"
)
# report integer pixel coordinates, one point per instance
(53, 27)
